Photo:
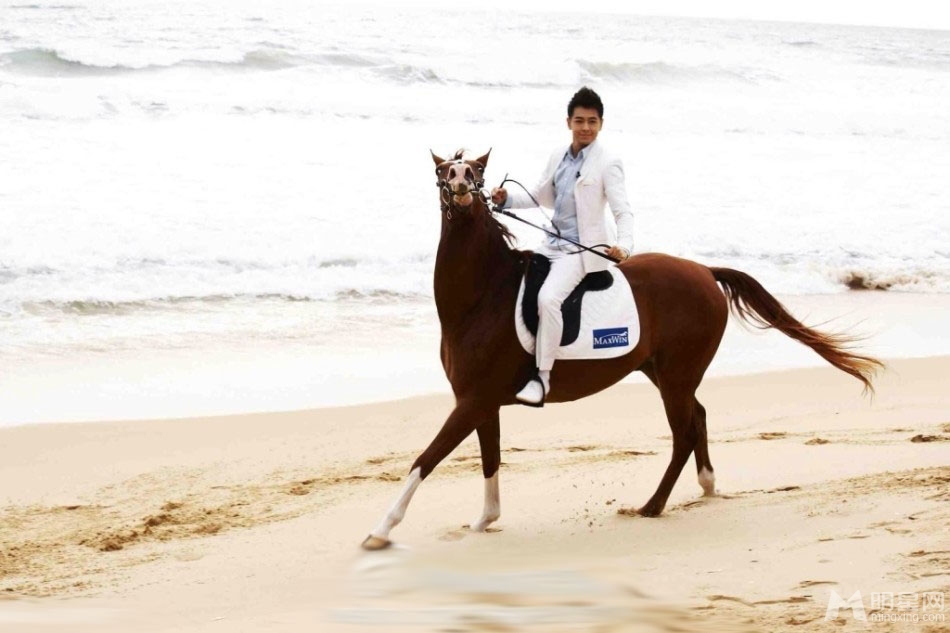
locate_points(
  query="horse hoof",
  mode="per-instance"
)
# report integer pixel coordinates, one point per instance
(482, 525)
(649, 511)
(374, 543)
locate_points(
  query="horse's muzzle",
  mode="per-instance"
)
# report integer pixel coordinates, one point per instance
(460, 190)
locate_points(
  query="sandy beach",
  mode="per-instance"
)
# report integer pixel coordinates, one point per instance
(253, 522)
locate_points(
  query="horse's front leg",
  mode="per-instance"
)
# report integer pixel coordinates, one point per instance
(489, 440)
(462, 421)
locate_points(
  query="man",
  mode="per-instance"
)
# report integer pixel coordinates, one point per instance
(577, 183)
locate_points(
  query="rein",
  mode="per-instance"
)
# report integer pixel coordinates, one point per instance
(494, 208)
(446, 195)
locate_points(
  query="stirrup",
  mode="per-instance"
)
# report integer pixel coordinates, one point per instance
(544, 393)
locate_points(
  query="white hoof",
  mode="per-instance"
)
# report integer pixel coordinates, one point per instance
(707, 480)
(374, 543)
(482, 524)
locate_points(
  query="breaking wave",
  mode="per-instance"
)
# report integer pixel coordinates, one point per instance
(48, 62)
(408, 73)
(818, 272)
(60, 7)
(153, 284)
(92, 307)
(664, 73)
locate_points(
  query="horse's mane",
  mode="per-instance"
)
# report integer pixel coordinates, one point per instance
(503, 231)
(503, 239)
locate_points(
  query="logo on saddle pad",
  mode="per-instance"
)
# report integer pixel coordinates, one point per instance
(611, 337)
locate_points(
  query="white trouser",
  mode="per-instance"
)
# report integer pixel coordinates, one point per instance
(567, 270)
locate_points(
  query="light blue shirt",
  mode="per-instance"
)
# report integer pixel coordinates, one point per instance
(565, 208)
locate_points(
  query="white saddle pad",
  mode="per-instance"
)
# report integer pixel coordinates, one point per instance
(610, 326)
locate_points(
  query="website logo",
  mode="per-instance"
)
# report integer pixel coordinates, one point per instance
(855, 603)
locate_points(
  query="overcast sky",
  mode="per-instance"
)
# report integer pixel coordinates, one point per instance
(932, 14)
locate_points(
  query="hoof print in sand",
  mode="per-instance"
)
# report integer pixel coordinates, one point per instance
(455, 535)
(812, 583)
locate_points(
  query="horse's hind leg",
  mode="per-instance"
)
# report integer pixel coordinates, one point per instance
(678, 400)
(704, 468)
(489, 440)
(466, 416)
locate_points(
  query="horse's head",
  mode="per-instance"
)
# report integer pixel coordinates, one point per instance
(458, 179)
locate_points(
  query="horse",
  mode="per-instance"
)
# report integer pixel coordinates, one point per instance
(682, 312)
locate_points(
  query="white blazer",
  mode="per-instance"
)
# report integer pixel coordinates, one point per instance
(601, 183)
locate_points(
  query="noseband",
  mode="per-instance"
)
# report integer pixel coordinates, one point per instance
(445, 192)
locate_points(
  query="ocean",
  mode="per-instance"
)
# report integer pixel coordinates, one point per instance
(212, 207)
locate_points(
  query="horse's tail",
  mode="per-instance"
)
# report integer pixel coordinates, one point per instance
(753, 303)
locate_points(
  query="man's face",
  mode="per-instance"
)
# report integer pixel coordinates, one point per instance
(585, 125)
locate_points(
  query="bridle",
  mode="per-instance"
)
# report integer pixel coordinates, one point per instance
(446, 194)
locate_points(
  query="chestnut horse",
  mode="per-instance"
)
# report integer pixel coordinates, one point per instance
(682, 315)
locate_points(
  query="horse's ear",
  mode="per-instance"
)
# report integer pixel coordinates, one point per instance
(438, 161)
(484, 159)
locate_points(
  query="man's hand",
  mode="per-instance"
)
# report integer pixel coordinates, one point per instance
(498, 196)
(618, 252)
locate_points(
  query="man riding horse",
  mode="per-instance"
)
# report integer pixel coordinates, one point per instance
(681, 309)
(577, 183)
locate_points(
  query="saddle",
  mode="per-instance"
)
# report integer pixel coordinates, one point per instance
(538, 269)
(599, 315)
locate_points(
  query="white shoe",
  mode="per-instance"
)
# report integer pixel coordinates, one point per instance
(533, 393)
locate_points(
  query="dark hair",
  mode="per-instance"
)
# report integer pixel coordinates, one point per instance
(586, 98)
